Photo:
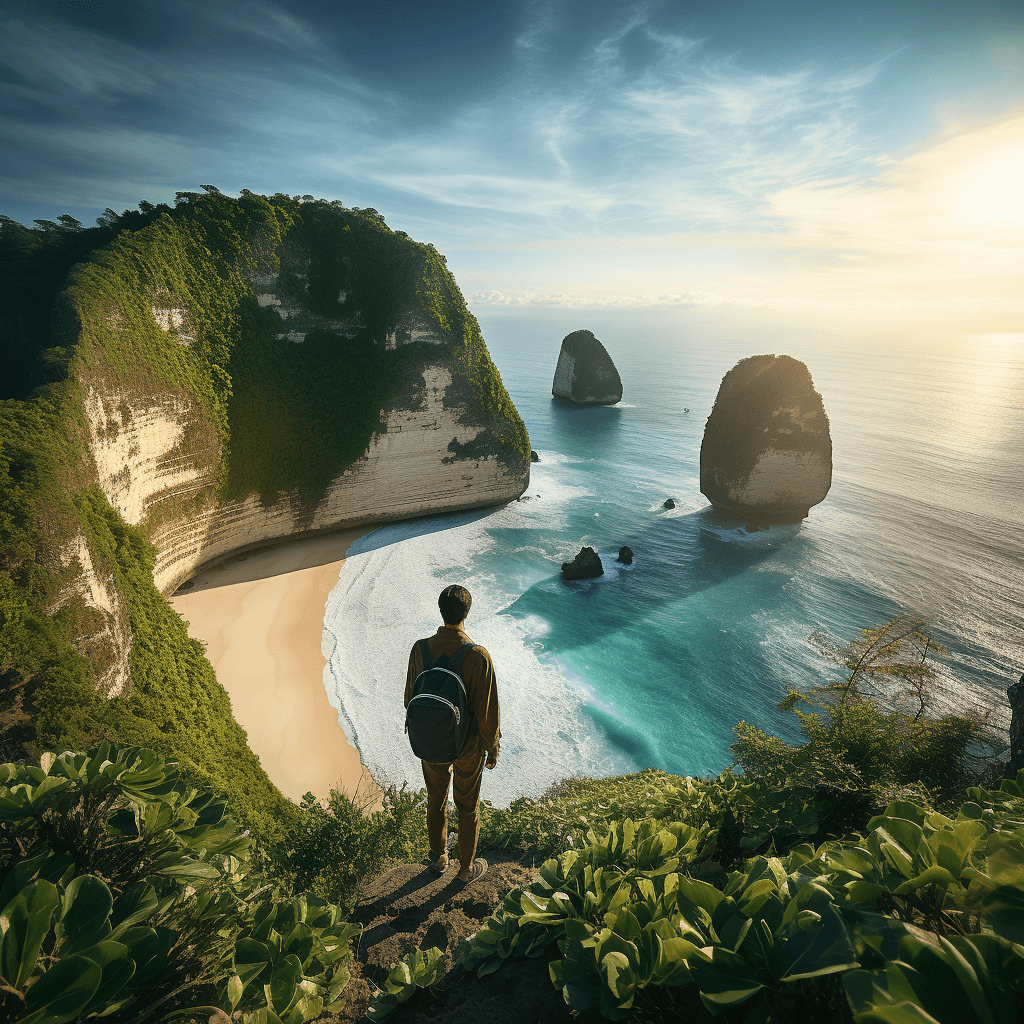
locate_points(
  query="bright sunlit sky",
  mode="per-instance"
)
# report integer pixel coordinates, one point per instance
(834, 161)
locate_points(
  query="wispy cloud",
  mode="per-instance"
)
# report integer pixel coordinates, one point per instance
(672, 170)
(58, 64)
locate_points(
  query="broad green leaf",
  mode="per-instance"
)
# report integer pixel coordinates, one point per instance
(138, 902)
(117, 969)
(624, 924)
(727, 980)
(24, 924)
(864, 892)
(284, 981)
(619, 976)
(52, 867)
(46, 792)
(902, 809)
(251, 959)
(934, 875)
(871, 1002)
(148, 949)
(695, 896)
(177, 866)
(822, 949)
(299, 941)
(62, 992)
(85, 912)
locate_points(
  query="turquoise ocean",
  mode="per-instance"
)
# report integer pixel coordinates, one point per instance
(653, 664)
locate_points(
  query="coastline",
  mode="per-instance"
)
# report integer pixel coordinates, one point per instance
(261, 615)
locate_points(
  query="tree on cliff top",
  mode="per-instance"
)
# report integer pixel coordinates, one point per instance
(879, 726)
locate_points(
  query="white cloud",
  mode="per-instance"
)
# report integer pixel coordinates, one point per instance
(779, 304)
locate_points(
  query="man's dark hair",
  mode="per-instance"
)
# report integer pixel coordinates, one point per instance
(454, 603)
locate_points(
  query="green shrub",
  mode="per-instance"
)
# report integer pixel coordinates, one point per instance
(921, 897)
(417, 969)
(129, 894)
(875, 731)
(330, 850)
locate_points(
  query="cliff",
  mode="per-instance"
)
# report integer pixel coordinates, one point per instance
(767, 451)
(585, 373)
(218, 376)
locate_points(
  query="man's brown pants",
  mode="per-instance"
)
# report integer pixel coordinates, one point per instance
(464, 776)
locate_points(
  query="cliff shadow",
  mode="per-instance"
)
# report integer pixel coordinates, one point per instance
(675, 558)
(315, 550)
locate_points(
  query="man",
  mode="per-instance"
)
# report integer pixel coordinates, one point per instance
(481, 745)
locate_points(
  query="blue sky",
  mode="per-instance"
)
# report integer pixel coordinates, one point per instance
(791, 158)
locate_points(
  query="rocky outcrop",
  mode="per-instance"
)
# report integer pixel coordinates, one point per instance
(585, 373)
(534, 457)
(669, 503)
(625, 556)
(585, 566)
(767, 451)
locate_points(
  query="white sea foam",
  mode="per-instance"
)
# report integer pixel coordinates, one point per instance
(554, 458)
(386, 598)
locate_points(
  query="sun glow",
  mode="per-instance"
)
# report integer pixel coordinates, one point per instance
(985, 192)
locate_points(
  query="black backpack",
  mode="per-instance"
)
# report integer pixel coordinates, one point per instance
(437, 718)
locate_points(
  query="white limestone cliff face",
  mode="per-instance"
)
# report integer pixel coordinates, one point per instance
(140, 454)
(789, 479)
(112, 642)
(565, 375)
(406, 471)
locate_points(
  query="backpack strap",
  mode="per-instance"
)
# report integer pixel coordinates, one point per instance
(425, 654)
(456, 660)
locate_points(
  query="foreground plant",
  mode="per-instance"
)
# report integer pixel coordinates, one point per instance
(922, 918)
(418, 969)
(130, 896)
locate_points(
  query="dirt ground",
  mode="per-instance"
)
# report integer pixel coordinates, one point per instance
(408, 908)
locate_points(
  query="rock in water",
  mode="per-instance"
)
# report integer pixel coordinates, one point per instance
(669, 503)
(534, 457)
(625, 556)
(585, 372)
(585, 566)
(767, 452)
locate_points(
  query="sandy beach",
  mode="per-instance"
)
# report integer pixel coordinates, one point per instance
(261, 617)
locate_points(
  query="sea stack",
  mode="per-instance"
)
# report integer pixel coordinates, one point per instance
(767, 451)
(585, 373)
(585, 566)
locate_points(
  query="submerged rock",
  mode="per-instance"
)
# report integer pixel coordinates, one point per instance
(585, 566)
(625, 556)
(585, 373)
(767, 451)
